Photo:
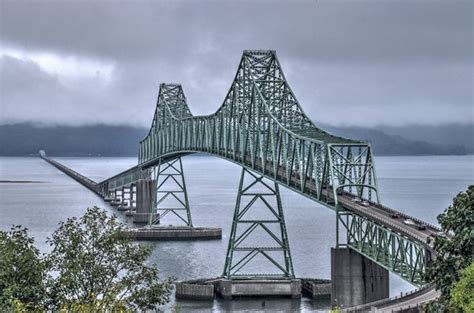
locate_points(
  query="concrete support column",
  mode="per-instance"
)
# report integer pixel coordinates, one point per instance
(356, 279)
(133, 196)
(123, 196)
(129, 196)
(144, 201)
(144, 196)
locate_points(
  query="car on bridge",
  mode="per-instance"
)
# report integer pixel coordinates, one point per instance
(421, 226)
(395, 215)
(356, 200)
(411, 222)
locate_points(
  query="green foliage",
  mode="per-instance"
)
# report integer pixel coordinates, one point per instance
(22, 272)
(90, 269)
(95, 268)
(455, 251)
(462, 293)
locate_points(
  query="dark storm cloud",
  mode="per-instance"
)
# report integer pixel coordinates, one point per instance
(349, 62)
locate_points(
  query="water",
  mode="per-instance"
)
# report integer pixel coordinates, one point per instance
(421, 186)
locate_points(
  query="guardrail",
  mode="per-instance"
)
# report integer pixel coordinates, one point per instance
(392, 300)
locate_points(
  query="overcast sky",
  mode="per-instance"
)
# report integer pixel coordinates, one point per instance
(362, 63)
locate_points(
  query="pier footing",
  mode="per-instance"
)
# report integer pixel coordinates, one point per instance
(316, 288)
(144, 218)
(208, 289)
(173, 233)
(228, 289)
(199, 289)
(123, 208)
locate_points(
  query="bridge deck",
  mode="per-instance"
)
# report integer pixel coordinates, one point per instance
(411, 300)
(384, 216)
(83, 180)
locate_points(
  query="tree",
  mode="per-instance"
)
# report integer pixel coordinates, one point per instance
(22, 271)
(455, 250)
(462, 293)
(93, 267)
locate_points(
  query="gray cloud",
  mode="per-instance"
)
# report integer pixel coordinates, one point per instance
(349, 62)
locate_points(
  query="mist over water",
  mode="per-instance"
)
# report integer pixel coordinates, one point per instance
(420, 186)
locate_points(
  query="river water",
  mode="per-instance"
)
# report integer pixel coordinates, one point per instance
(421, 186)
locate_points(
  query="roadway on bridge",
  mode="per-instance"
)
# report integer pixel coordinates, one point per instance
(384, 217)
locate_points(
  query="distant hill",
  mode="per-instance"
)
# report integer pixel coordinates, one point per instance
(27, 139)
(385, 144)
(444, 134)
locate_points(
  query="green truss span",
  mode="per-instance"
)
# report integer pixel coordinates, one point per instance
(262, 127)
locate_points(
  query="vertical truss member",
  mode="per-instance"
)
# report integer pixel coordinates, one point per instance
(170, 194)
(241, 250)
(349, 170)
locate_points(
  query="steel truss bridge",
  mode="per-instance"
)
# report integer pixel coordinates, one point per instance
(262, 127)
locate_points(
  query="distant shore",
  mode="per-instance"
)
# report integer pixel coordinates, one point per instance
(21, 182)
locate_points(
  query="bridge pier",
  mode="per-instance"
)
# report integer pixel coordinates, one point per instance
(124, 201)
(356, 279)
(258, 209)
(116, 198)
(133, 196)
(144, 202)
(151, 199)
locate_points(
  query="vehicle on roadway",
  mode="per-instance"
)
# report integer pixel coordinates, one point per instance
(411, 222)
(395, 215)
(421, 226)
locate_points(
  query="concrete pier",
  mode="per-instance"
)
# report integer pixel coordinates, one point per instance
(200, 289)
(229, 289)
(173, 233)
(208, 289)
(316, 288)
(144, 218)
(115, 203)
(356, 279)
(123, 208)
(144, 196)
